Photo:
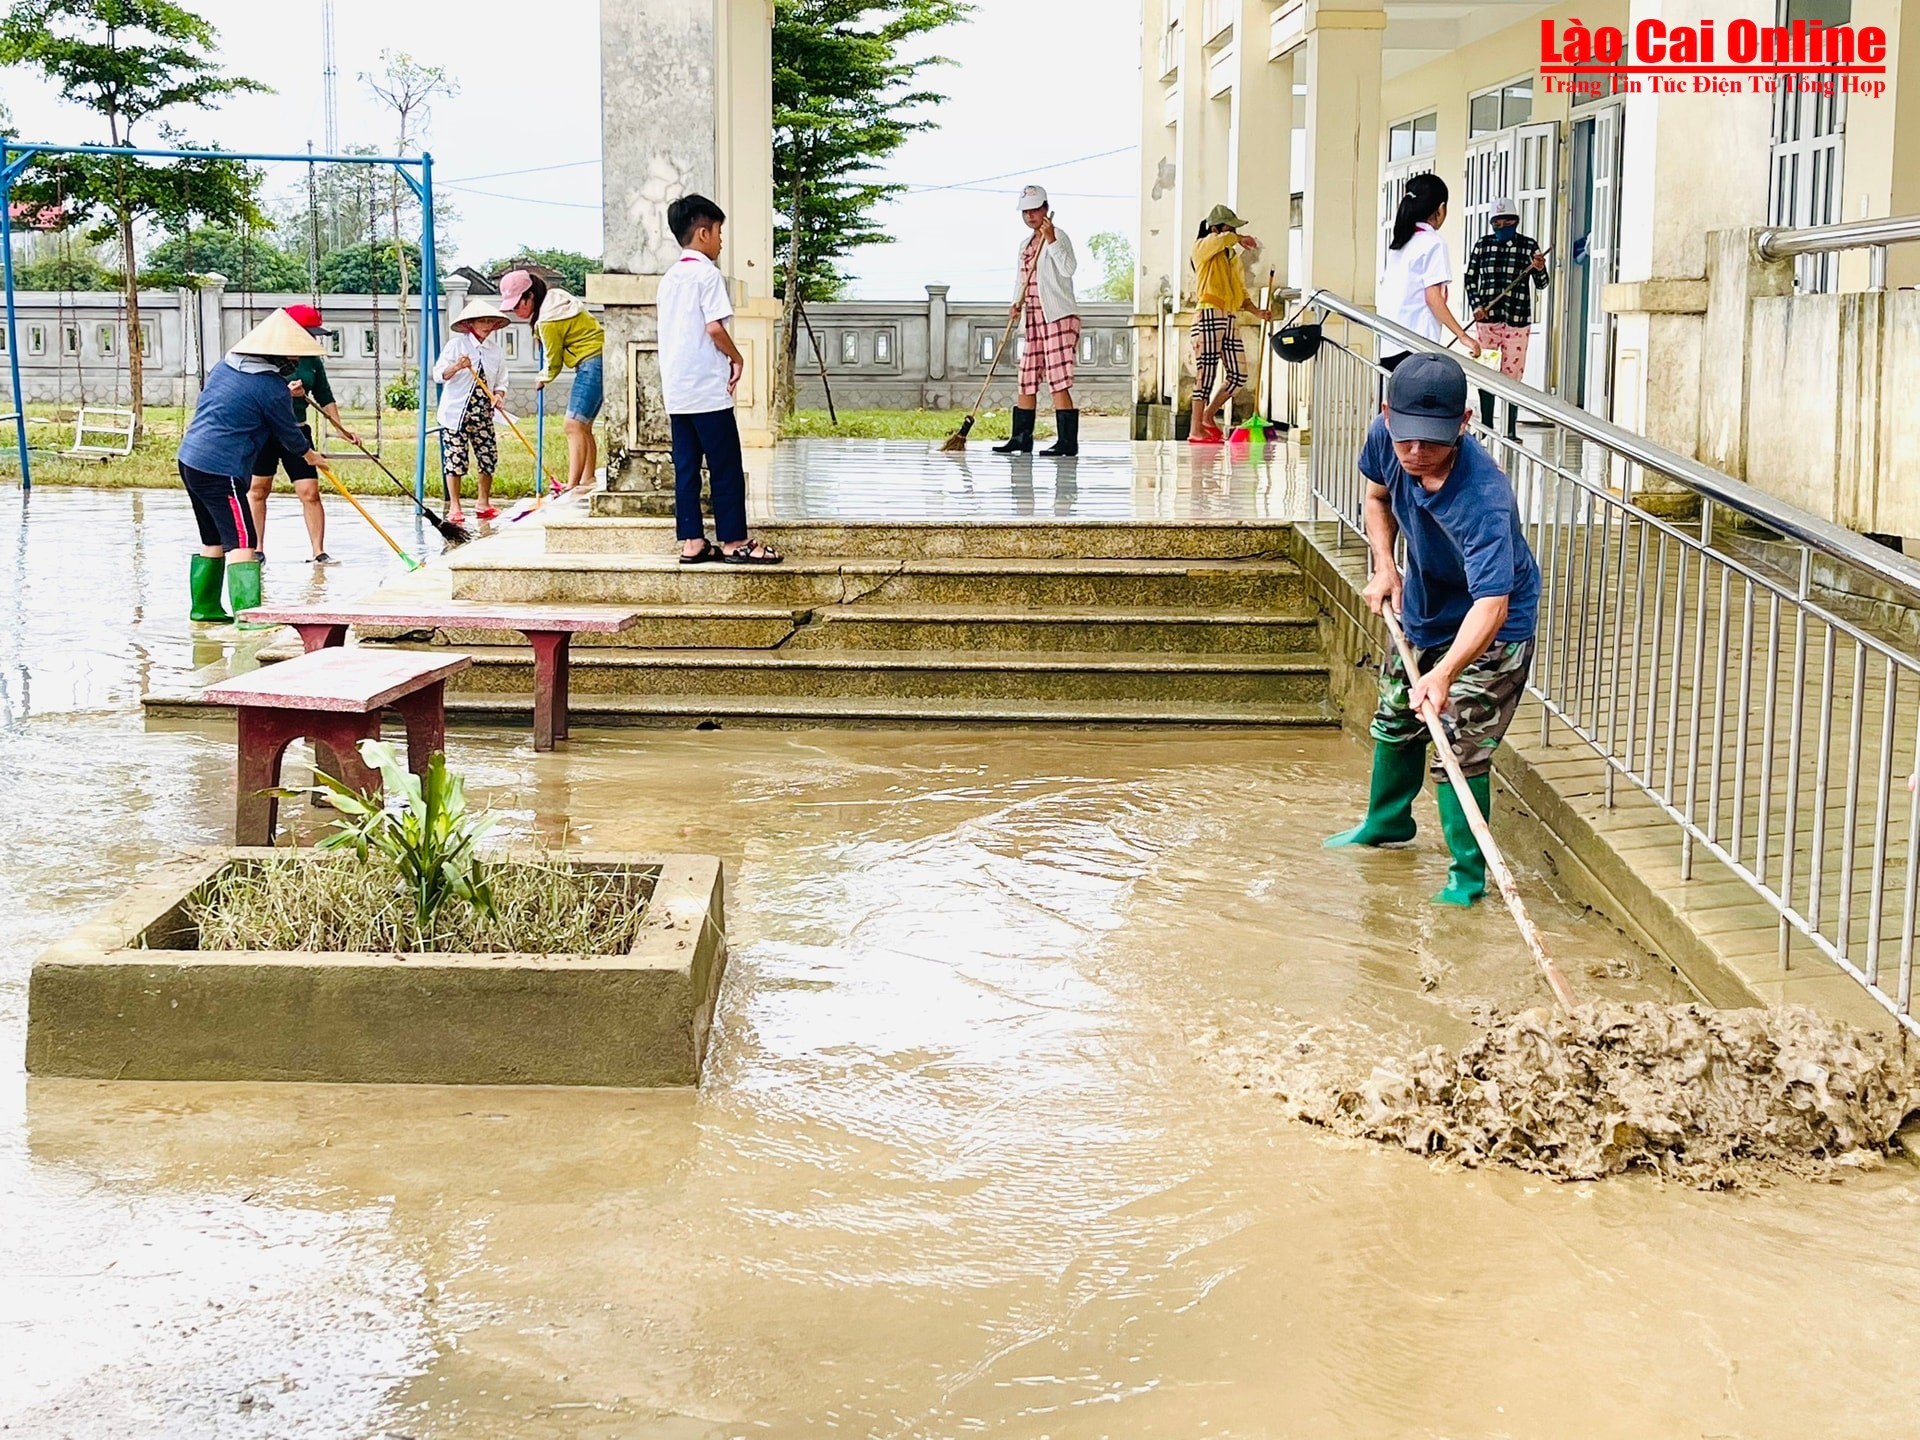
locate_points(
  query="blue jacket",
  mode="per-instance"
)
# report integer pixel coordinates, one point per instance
(238, 411)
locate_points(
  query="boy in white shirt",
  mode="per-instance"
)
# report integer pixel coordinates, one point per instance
(699, 368)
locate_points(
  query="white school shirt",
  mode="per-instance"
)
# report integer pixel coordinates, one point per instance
(491, 359)
(693, 372)
(1421, 262)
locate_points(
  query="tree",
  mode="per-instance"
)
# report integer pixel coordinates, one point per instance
(1115, 254)
(360, 269)
(81, 270)
(842, 102)
(572, 265)
(248, 258)
(409, 88)
(128, 61)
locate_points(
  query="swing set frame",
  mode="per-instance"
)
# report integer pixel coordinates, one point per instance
(416, 170)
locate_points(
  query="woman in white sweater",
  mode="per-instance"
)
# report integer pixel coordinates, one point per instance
(1047, 263)
(466, 414)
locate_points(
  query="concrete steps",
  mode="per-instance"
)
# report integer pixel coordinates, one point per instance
(927, 622)
(714, 711)
(1014, 583)
(574, 534)
(870, 626)
(1087, 679)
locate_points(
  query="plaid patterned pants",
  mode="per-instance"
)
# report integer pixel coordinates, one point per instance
(1052, 348)
(1216, 339)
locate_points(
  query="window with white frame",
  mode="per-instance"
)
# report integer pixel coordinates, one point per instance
(1809, 148)
(334, 343)
(36, 340)
(510, 344)
(1500, 108)
(883, 347)
(1121, 342)
(849, 347)
(1087, 348)
(369, 340)
(1413, 139)
(984, 348)
(105, 337)
(70, 339)
(149, 338)
(4, 341)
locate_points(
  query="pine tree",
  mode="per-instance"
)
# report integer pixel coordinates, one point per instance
(128, 61)
(842, 102)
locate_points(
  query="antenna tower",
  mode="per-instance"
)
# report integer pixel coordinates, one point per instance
(329, 90)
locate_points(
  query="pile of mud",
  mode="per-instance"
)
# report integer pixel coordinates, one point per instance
(1711, 1098)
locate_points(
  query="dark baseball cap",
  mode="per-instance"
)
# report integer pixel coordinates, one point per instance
(1427, 399)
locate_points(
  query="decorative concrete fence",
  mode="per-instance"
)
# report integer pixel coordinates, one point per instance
(73, 346)
(934, 354)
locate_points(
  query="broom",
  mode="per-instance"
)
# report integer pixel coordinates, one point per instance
(1256, 422)
(958, 440)
(451, 533)
(378, 529)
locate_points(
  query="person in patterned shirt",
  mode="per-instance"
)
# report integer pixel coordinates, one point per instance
(1502, 303)
(1052, 338)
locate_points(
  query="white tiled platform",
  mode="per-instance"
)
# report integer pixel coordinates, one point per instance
(1108, 480)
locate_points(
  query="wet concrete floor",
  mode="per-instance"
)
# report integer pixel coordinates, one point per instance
(960, 1166)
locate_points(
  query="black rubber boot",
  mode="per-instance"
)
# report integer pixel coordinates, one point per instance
(1068, 441)
(1021, 442)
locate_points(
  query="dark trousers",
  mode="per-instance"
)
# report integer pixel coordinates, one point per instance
(714, 437)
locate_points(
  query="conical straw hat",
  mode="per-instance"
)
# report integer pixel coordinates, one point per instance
(480, 308)
(278, 334)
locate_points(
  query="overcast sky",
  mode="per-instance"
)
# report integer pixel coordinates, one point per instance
(1037, 83)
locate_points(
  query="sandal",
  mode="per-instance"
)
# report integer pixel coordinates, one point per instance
(487, 512)
(708, 551)
(753, 552)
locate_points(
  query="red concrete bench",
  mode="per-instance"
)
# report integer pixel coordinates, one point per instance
(549, 630)
(333, 698)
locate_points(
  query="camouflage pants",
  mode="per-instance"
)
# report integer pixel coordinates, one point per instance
(1480, 705)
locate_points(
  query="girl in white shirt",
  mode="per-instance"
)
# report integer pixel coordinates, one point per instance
(1413, 286)
(466, 414)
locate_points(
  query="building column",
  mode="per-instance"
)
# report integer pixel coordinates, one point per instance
(1338, 60)
(1690, 164)
(687, 106)
(1260, 163)
(209, 327)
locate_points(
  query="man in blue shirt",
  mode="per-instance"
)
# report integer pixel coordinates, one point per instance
(1467, 602)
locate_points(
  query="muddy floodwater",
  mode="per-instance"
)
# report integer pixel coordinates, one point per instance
(961, 1165)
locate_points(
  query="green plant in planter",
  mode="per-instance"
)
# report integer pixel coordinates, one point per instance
(421, 829)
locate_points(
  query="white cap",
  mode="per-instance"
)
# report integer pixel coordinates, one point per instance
(1504, 206)
(1034, 197)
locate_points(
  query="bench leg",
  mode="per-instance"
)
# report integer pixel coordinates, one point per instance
(551, 654)
(425, 715)
(322, 637)
(263, 738)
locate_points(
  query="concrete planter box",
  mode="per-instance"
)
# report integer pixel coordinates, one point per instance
(127, 996)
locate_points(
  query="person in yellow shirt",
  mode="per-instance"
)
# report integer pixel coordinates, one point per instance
(569, 338)
(1221, 294)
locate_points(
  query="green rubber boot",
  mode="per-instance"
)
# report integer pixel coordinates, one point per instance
(243, 588)
(1467, 877)
(204, 577)
(1398, 773)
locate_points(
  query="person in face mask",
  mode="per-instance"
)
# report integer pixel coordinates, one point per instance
(1501, 300)
(242, 406)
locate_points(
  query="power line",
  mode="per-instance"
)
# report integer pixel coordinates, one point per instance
(522, 199)
(530, 170)
(1025, 170)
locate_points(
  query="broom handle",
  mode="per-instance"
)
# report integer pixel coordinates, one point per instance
(487, 390)
(1007, 339)
(1509, 288)
(334, 480)
(1496, 862)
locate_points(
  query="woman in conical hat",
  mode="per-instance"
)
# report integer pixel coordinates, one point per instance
(466, 411)
(243, 404)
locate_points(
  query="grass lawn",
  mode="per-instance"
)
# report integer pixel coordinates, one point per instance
(152, 461)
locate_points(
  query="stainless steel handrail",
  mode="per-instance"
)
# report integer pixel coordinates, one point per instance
(1783, 244)
(1735, 495)
(1773, 734)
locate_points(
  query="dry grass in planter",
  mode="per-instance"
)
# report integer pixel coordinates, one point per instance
(341, 904)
